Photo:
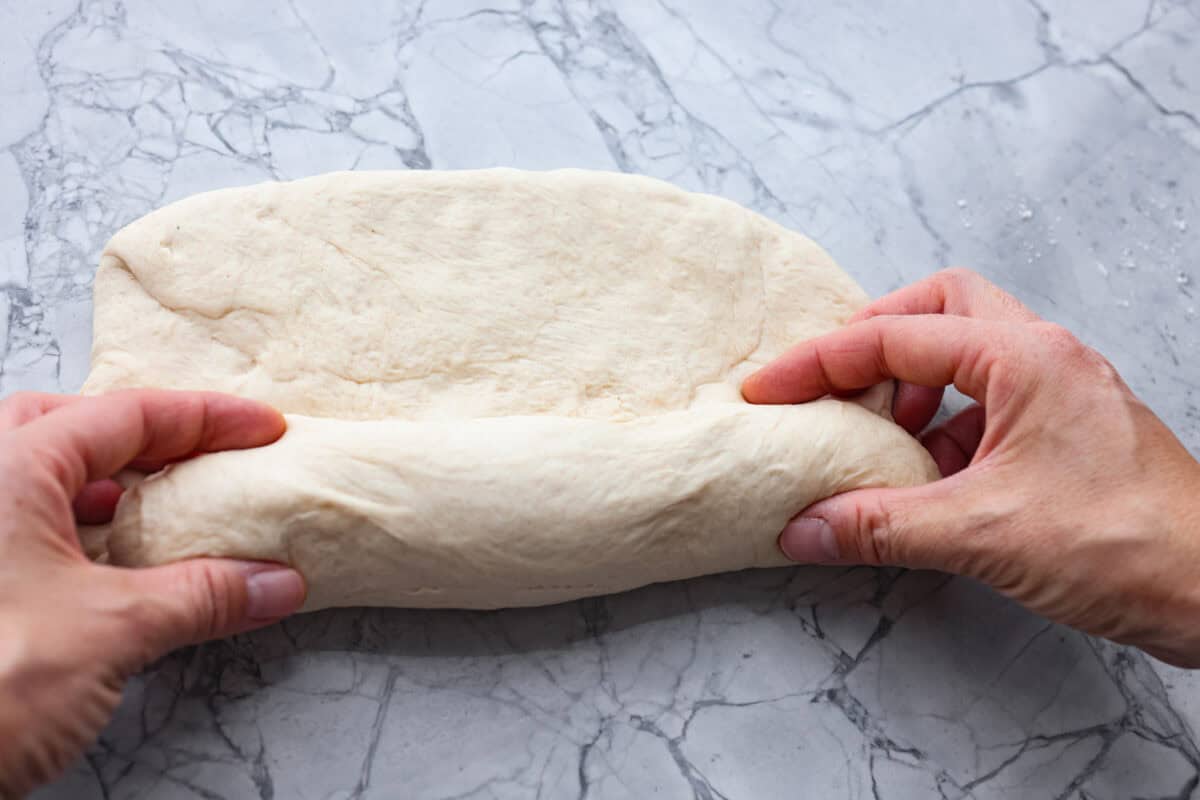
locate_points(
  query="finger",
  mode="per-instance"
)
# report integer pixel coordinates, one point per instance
(92, 440)
(96, 502)
(913, 407)
(953, 444)
(958, 292)
(209, 598)
(913, 528)
(931, 351)
(21, 407)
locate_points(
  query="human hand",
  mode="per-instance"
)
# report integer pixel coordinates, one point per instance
(1062, 489)
(72, 631)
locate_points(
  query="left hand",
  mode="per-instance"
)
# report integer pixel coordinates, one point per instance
(72, 631)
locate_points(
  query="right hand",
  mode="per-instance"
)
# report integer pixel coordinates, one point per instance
(1061, 489)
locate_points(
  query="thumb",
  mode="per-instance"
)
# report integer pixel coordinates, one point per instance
(879, 527)
(209, 598)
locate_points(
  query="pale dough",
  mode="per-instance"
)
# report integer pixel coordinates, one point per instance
(504, 388)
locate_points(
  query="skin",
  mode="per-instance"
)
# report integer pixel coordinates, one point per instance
(1114, 554)
(72, 631)
(1062, 490)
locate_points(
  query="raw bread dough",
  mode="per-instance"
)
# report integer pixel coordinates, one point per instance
(503, 388)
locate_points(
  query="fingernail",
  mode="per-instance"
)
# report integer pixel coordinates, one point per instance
(809, 540)
(272, 591)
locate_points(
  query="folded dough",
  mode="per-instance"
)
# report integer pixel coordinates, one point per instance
(503, 388)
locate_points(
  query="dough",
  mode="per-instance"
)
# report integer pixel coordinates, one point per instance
(503, 388)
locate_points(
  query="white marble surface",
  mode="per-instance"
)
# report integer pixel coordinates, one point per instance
(1053, 145)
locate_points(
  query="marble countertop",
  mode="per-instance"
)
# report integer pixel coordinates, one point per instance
(1053, 145)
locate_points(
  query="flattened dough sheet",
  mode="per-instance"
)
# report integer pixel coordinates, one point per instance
(503, 388)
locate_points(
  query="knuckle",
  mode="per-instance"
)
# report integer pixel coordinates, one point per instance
(967, 293)
(15, 407)
(1066, 345)
(1012, 307)
(1057, 337)
(873, 534)
(1103, 373)
(960, 276)
(960, 283)
(208, 592)
(192, 602)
